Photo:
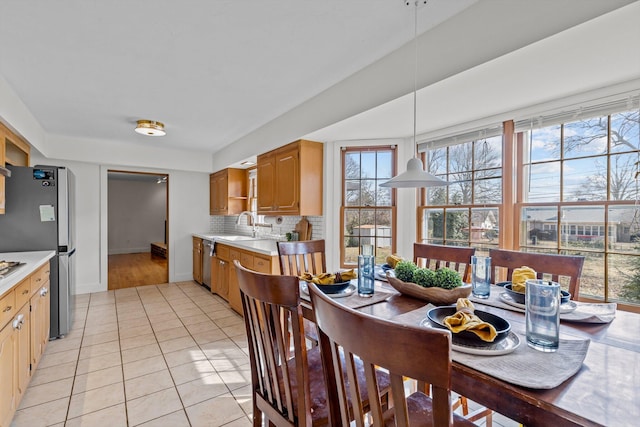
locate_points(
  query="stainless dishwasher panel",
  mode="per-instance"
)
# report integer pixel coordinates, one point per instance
(207, 252)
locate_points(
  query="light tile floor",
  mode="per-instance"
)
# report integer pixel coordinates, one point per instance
(167, 355)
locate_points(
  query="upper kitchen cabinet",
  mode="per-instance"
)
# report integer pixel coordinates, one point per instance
(290, 179)
(227, 192)
(13, 151)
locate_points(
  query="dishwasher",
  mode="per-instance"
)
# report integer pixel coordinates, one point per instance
(207, 253)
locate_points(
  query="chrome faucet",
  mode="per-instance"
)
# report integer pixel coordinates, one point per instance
(254, 222)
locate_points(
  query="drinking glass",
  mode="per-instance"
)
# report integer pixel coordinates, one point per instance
(366, 266)
(480, 276)
(542, 313)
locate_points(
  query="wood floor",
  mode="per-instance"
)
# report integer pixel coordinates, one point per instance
(129, 270)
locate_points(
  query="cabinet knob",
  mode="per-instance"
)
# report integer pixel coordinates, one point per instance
(44, 291)
(18, 322)
(7, 308)
(26, 291)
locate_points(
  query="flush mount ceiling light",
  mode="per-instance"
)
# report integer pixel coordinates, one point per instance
(150, 128)
(415, 175)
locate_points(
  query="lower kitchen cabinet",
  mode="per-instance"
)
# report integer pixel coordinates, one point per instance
(197, 259)
(24, 334)
(224, 280)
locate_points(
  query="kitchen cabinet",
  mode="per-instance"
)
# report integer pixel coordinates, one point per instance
(225, 282)
(24, 334)
(39, 326)
(13, 151)
(220, 271)
(8, 374)
(197, 259)
(290, 179)
(228, 192)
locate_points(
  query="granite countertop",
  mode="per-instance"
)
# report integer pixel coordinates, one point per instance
(253, 244)
(32, 260)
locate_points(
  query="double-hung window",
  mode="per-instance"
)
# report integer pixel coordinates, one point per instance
(368, 211)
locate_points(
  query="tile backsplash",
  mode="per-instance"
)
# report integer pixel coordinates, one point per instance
(276, 231)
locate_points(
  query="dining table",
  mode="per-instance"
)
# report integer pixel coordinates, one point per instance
(603, 389)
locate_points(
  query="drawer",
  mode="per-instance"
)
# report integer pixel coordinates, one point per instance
(40, 277)
(247, 261)
(7, 307)
(234, 254)
(23, 292)
(222, 252)
(262, 265)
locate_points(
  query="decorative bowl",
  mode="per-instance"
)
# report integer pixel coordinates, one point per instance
(436, 296)
(519, 297)
(437, 315)
(334, 288)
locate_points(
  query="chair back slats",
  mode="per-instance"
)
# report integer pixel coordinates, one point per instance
(274, 324)
(436, 256)
(564, 269)
(300, 257)
(404, 350)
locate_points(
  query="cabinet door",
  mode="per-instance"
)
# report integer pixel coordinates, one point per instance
(197, 260)
(222, 279)
(39, 324)
(23, 351)
(287, 190)
(222, 193)
(212, 194)
(7, 374)
(235, 299)
(266, 170)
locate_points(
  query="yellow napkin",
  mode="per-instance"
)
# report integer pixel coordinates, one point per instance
(392, 260)
(465, 320)
(329, 278)
(520, 276)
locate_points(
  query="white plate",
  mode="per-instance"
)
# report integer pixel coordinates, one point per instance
(565, 308)
(344, 293)
(505, 346)
(380, 274)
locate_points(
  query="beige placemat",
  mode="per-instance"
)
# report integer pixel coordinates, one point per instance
(531, 368)
(354, 300)
(584, 313)
(525, 366)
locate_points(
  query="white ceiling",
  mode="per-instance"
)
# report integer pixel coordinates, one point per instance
(230, 71)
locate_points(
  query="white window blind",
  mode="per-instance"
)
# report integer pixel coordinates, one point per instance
(580, 112)
(461, 138)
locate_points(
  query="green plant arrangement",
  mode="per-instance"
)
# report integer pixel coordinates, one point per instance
(440, 287)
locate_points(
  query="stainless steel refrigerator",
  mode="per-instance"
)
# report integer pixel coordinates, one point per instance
(39, 216)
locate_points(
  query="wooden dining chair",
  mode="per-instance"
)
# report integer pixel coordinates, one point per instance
(299, 257)
(457, 258)
(287, 380)
(564, 269)
(347, 335)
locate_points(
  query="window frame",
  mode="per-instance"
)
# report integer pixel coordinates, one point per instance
(343, 208)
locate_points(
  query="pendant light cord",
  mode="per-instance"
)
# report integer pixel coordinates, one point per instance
(415, 77)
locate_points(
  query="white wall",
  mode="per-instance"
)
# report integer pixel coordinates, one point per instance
(188, 213)
(136, 213)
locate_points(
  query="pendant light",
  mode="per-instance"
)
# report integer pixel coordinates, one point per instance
(415, 176)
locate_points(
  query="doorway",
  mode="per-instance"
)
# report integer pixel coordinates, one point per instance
(137, 229)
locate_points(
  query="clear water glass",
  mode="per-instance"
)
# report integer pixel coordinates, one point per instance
(366, 280)
(481, 276)
(542, 314)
